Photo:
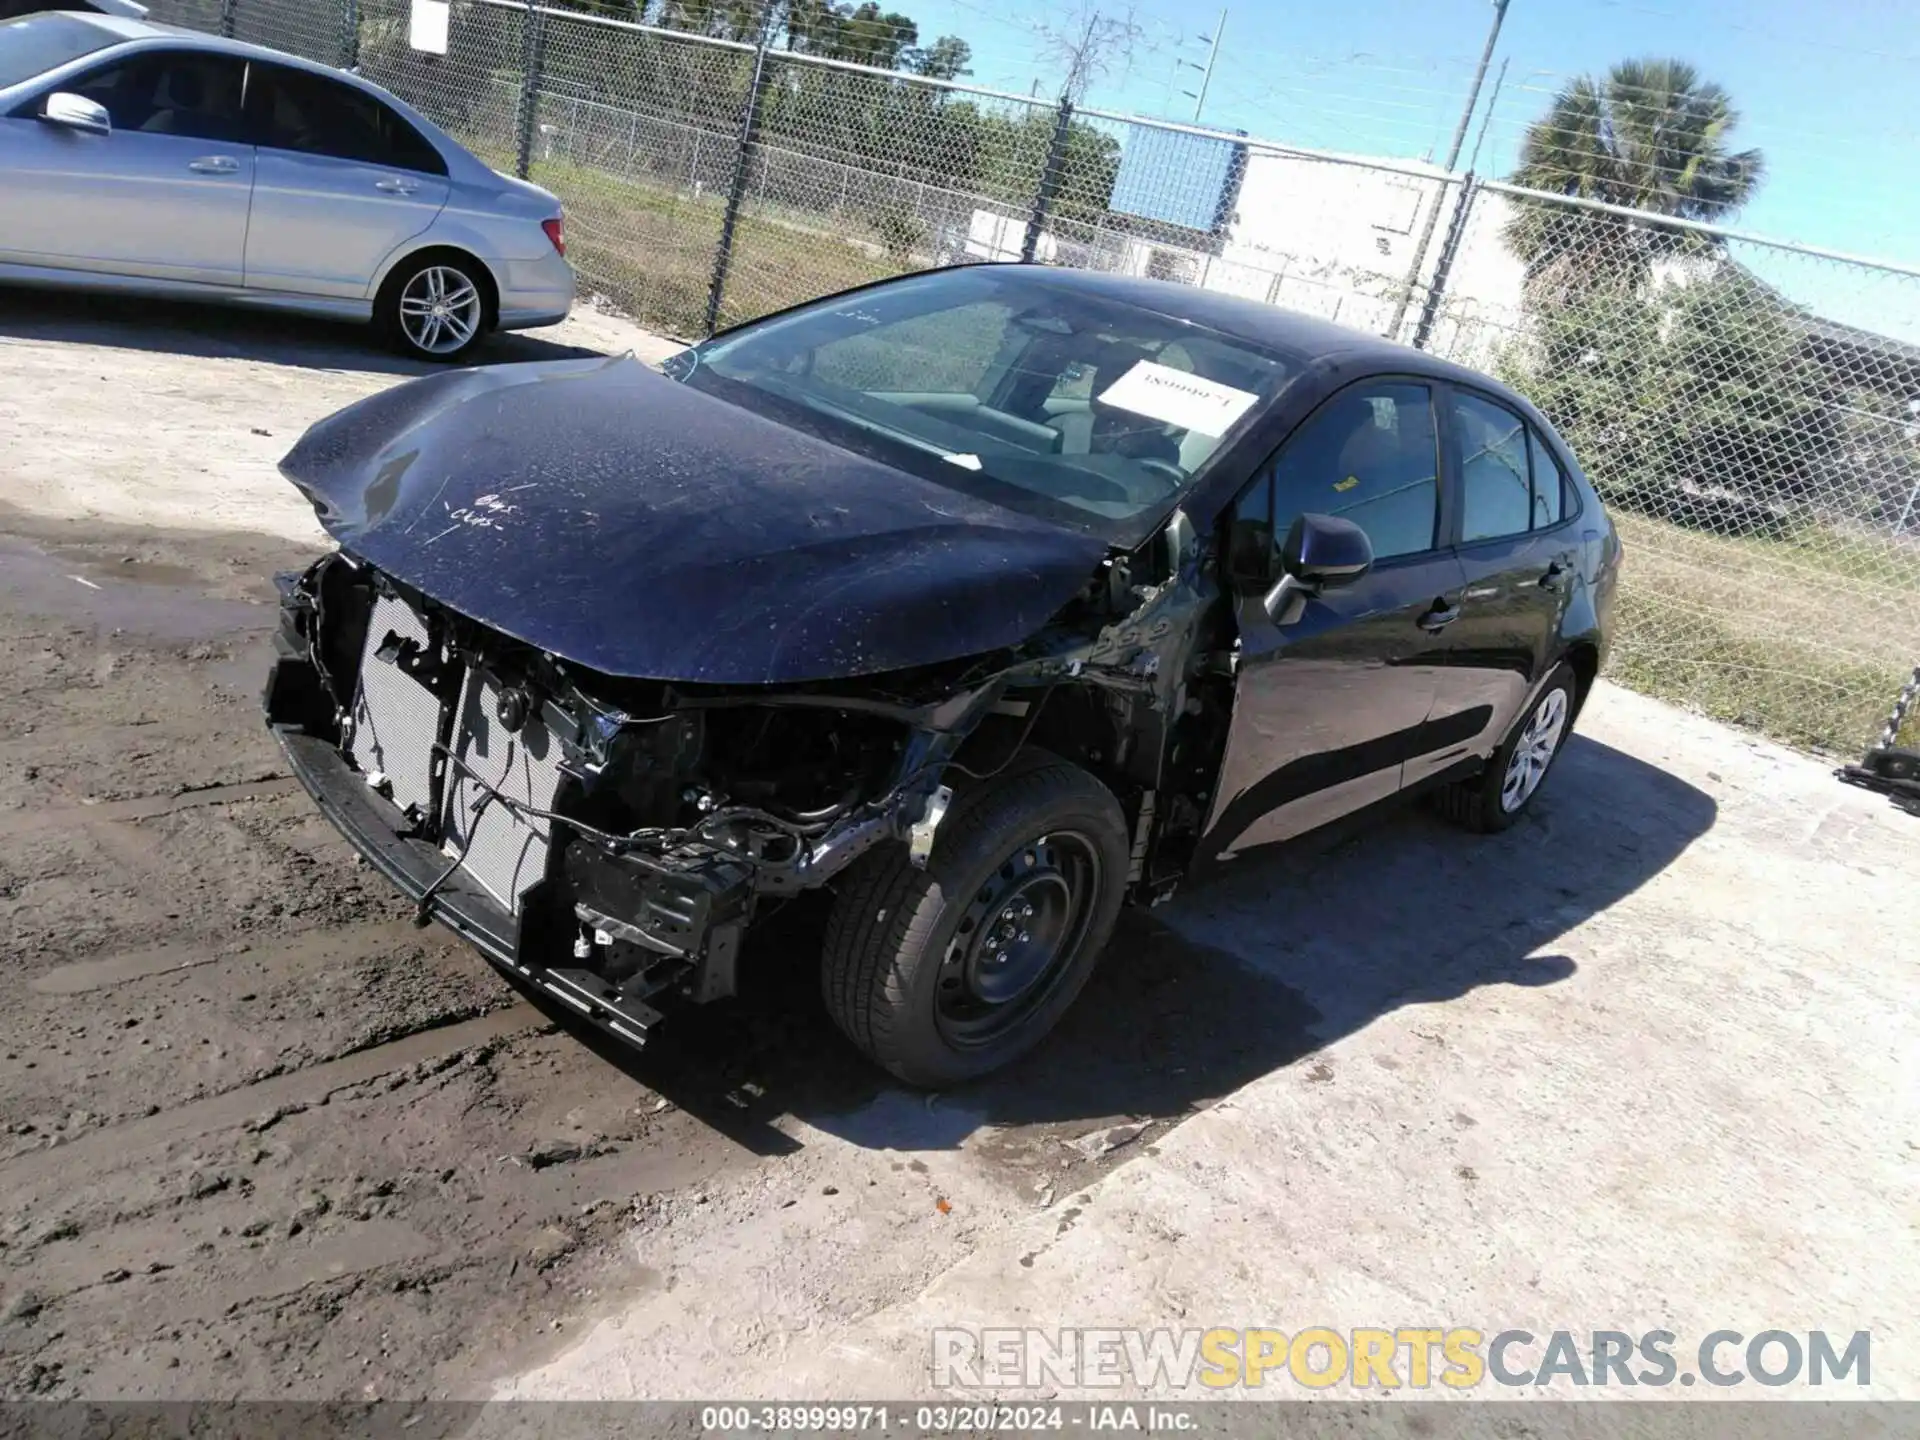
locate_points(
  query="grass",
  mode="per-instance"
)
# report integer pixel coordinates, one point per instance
(650, 250)
(1806, 639)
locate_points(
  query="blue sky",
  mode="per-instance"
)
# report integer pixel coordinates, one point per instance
(1830, 94)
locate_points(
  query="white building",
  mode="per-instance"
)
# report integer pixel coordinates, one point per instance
(1333, 236)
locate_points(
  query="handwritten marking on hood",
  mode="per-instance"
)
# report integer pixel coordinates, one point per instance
(487, 512)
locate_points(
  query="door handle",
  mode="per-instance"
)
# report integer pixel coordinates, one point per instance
(396, 187)
(1438, 616)
(215, 165)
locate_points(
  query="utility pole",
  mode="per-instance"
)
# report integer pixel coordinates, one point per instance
(1206, 71)
(1453, 157)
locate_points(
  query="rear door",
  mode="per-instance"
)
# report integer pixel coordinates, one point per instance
(165, 195)
(343, 181)
(1517, 552)
(1330, 707)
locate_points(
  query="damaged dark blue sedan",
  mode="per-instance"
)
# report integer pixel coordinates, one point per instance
(989, 599)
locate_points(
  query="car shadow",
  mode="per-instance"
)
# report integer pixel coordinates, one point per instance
(1251, 969)
(178, 327)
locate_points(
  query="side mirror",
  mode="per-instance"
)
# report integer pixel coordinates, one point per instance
(76, 112)
(1326, 552)
(1321, 553)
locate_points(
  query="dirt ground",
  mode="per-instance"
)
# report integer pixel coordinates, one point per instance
(1648, 1056)
(262, 1135)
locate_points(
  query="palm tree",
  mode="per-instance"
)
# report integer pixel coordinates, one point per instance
(1652, 135)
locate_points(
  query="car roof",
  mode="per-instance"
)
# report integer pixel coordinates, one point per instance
(1305, 337)
(129, 36)
(127, 31)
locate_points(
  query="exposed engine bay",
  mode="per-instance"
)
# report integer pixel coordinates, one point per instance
(610, 839)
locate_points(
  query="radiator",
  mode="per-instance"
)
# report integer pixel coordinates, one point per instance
(508, 851)
(396, 721)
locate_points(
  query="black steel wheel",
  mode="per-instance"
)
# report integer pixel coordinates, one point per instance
(943, 974)
(1018, 938)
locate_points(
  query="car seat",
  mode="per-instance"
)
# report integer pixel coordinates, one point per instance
(180, 91)
(1394, 471)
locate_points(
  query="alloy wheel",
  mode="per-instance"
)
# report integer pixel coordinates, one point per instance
(1534, 751)
(440, 310)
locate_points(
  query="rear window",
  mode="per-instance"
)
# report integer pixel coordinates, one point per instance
(35, 44)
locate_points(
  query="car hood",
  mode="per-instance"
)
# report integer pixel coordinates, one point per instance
(641, 528)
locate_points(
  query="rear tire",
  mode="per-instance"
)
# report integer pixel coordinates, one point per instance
(434, 308)
(943, 974)
(1499, 795)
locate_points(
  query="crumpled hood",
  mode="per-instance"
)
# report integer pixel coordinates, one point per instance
(636, 526)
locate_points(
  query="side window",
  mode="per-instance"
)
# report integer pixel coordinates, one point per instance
(170, 92)
(293, 110)
(1369, 456)
(1496, 495)
(1549, 485)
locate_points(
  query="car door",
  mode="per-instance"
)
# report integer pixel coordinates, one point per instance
(1331, 704)
(164, 194)
(343, 181)
(1517, 555)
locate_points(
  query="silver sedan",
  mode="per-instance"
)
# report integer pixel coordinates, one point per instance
(142, 159)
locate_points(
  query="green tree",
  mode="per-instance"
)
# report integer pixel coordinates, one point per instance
(1689, 391)
(948, 58)
(1676, 375)
(1651, 135)
(870, 36)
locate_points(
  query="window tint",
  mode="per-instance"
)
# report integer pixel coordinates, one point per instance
(1549, 485)
(169, 92)
(1367, 456)
(293, 110)
(1495, 489)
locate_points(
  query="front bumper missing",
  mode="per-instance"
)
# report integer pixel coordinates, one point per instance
(684, 913)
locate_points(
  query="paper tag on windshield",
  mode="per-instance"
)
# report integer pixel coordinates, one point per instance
(1175, 397)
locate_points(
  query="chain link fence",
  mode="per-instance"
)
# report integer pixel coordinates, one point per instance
(1762, 462)
(193, 14)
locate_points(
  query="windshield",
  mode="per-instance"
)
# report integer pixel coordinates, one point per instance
(35, 44)
(1077, 407)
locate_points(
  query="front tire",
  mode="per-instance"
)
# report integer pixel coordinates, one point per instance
(434, 308)
(944, 974)
(1499, 795)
